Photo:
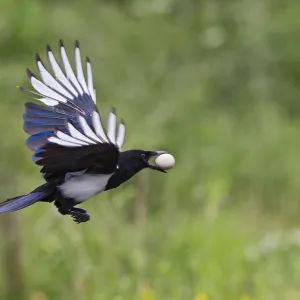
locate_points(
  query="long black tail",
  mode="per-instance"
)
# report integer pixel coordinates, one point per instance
(44, 192)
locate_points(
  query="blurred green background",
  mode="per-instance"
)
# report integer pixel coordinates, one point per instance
(216, 83)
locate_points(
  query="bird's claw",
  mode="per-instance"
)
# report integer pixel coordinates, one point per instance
(80, 217)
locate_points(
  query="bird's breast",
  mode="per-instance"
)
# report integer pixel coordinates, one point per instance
(84, 186)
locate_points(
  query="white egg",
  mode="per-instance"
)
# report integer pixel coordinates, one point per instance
(165, 161)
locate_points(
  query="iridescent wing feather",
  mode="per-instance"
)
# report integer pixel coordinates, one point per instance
(69, 117)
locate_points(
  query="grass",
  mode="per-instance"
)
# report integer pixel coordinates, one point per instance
(165, 258)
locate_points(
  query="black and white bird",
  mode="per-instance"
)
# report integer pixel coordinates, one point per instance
(79, 158)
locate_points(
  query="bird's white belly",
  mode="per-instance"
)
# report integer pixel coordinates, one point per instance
(84, 186)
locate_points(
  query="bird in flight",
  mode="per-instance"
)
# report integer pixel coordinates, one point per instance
(78, 157)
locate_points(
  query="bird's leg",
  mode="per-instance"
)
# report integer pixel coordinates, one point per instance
(80, 210)
(66, 207)
(79, 215)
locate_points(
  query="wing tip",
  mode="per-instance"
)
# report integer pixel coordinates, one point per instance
(77, 44)
(29, 73)
(38, 59)
(48, 48)
(88, 60)
(61, 43)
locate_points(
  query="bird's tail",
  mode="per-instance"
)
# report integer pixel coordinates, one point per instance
(44, 193)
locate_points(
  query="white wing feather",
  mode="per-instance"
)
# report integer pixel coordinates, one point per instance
(111, 126)
(62, 89)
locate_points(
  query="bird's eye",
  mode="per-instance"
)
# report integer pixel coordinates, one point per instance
(143, 155)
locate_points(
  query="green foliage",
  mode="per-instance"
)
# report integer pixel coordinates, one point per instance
(215, 83)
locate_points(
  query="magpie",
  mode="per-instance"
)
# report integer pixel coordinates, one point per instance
(78, 156)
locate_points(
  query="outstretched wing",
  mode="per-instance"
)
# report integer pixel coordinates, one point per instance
(65, 96)
(67, 133)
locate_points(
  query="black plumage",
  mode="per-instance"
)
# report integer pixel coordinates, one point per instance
(77, 156)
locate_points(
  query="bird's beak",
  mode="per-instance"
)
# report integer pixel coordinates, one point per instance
(154, 167)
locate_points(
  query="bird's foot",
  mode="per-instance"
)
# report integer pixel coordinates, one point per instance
(80, 217)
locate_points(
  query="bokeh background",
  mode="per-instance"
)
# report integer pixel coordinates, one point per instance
(216, 83)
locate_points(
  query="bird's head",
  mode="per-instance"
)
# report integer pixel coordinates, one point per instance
(140, 159)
